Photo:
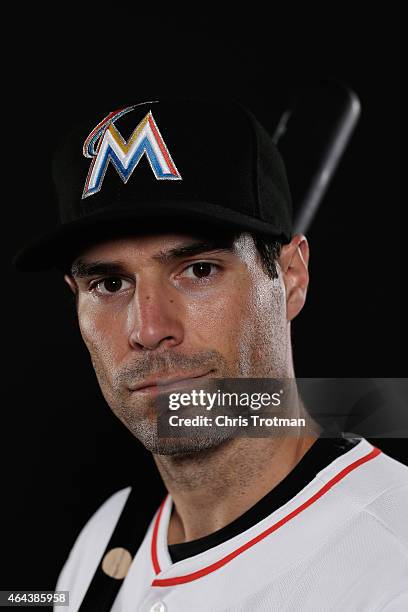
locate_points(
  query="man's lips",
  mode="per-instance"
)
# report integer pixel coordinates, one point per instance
(162, 384)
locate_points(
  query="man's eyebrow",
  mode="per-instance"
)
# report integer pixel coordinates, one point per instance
(83, 269)
(195, 248)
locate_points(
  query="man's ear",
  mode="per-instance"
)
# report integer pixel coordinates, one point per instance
(71, 283)
(293, 260)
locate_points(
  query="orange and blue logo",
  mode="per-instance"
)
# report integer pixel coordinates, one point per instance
(105, 145)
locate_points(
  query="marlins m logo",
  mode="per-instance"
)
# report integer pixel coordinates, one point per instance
(112, 147)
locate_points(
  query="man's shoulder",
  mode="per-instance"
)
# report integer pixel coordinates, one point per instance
(390, 475)
(378, 489)
(380, 474)
(390, 505)
(90, 545)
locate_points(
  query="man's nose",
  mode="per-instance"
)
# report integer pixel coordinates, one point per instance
(155, 317)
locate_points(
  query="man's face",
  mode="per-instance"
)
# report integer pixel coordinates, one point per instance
(165, 307)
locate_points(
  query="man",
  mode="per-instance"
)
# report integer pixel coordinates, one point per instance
(176, 242)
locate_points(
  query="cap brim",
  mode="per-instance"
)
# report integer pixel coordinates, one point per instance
(62, 245)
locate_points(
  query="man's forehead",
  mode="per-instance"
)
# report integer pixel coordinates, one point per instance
(161, 245)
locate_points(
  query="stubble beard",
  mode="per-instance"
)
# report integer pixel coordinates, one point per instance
(140, 412)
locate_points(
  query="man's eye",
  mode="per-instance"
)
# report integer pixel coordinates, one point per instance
(201, 269)
(110, 285)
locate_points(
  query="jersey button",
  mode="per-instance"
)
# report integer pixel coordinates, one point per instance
(159, 606)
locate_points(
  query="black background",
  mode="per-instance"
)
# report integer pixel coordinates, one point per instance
(63, 451)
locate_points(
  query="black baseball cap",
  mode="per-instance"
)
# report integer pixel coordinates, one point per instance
(161, 163)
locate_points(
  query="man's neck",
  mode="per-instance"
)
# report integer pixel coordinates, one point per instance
(215, 487)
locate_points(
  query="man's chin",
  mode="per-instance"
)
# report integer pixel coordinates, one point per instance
(143, 425)
(181, 447)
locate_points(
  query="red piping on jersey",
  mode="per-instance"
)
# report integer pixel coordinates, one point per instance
(164, 582)
(154, 538)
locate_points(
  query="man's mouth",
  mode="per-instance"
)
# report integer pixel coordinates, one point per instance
(165, 384)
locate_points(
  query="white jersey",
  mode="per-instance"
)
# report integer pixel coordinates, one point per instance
(340, 544)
